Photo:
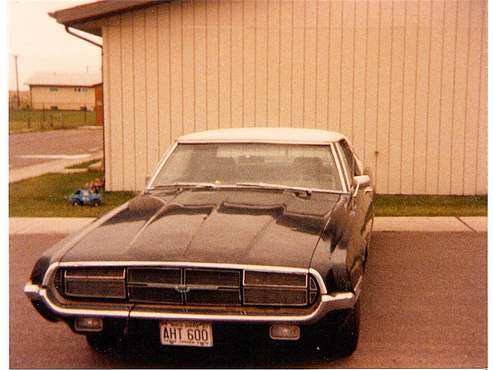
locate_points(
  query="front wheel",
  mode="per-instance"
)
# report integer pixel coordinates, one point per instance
(368, 238)
(338, 335)
(346, 334)
(104, 341)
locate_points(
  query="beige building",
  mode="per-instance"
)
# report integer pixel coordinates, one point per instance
(63, 91)
(405, 80)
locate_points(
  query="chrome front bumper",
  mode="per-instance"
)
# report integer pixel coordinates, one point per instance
(328, 303)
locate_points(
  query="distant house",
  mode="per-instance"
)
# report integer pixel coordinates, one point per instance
(63, 91)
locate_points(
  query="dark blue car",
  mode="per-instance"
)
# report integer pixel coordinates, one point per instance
(85, 197)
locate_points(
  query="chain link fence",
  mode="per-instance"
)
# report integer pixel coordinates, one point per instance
(49, 119)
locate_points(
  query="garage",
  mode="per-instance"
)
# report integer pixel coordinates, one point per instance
(405, 81)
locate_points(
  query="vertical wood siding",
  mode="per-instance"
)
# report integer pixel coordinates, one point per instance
(405, 80)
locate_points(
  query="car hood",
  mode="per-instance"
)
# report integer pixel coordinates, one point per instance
(213, 226)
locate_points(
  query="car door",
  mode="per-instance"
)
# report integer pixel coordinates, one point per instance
(360, 212)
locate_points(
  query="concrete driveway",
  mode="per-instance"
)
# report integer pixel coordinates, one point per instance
(424, 305)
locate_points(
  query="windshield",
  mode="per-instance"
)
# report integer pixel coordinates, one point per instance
(290, 165)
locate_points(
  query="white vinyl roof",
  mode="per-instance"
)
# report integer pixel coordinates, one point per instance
(264, 135)
(64, 79)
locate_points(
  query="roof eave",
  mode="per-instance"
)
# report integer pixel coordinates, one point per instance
(79, 16)
(62, 85)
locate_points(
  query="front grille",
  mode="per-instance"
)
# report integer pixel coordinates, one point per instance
(184, 286)
(227, 297)
(154, 285)
(154, 295)
(188, 286)
(157, 275)
(220, 278)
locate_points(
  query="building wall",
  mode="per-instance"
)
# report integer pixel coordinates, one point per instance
(404, 80)
(99, 107)
(64, 97)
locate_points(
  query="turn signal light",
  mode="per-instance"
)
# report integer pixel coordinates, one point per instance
(285, 332)
(88, 324)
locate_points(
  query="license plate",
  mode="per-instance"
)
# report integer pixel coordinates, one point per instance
(186, 333)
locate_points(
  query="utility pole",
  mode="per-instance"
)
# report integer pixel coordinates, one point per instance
(17, 82)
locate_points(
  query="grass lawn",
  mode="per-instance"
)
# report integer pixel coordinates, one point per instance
(43, 196)
(430, 205)
(37, 120)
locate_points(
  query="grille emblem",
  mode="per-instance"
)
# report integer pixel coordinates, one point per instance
(182, 289)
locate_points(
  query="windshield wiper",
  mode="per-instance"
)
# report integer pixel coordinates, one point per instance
(194, 185)
(263, 185)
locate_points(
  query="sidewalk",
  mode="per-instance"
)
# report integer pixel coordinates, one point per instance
(66, 225)
(57, 166)
(431, 224)
(47, 225)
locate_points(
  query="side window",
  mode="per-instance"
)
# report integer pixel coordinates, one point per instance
(348, 158)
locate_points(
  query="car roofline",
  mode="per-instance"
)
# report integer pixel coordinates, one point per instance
(252, 141)
(263, 135)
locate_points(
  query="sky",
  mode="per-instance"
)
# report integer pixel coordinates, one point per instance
(42, 45)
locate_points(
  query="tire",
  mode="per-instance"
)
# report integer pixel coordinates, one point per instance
(338, 334)
(104, 341)
(367, 249)
(346, 333)
(76, 203)
(368, 241)
(99, 342)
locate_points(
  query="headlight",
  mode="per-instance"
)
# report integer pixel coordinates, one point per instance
(94, 282)
(278, 289)
(262, 278)
(274, 297)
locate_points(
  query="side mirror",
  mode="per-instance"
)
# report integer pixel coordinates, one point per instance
(360, 181)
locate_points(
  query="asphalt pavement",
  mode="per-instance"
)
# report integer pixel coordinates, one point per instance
(27, 149)
(424, 304)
